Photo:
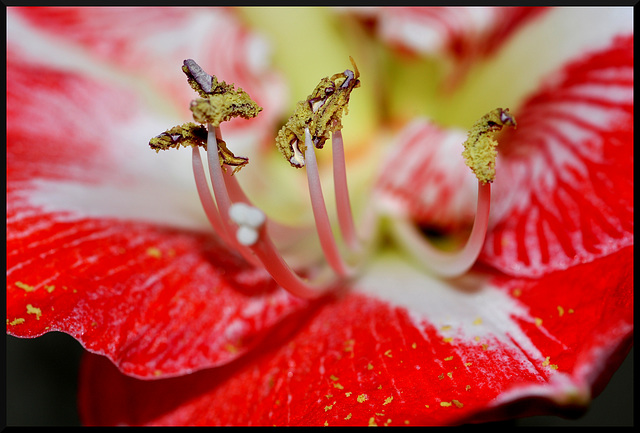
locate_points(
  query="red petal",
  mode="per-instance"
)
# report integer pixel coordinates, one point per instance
(359, 360)
(151, 44)
(564, 184)
(156, 301)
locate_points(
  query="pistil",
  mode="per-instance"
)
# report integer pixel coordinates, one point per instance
(479, 154)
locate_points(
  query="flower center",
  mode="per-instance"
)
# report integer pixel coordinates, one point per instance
(246, 229)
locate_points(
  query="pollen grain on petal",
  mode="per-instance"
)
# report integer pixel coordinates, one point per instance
(33, 310)
(25, 287)
(154, 252)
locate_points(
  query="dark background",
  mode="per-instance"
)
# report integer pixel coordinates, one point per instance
(42, 381)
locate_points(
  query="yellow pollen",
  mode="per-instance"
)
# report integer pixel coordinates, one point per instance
(154, 252)
(480, 149)
(25, 287)
(33, 310)
(321, 112)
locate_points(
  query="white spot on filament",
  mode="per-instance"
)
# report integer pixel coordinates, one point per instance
(249, 220)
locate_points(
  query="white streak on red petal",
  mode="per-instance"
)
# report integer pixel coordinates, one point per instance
(465, 33)
(455, 304)
(553, 201)
(95, 160)
(542, 48)
(425, 178)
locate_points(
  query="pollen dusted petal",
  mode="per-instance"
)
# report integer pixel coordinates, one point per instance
(288, 379)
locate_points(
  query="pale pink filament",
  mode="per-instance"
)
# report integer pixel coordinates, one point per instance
(327, 240)
(204, 193)
(443, 263)
(343, 203)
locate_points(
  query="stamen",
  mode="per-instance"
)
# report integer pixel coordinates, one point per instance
(231, 212)
(252, 239)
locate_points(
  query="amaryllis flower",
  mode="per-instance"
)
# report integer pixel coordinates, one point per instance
(240, 304)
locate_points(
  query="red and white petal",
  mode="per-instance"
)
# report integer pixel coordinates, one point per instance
(157, 301)
(149, 46)
(402, 349)
(425, 178)
(464, 33)
(563, 193)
